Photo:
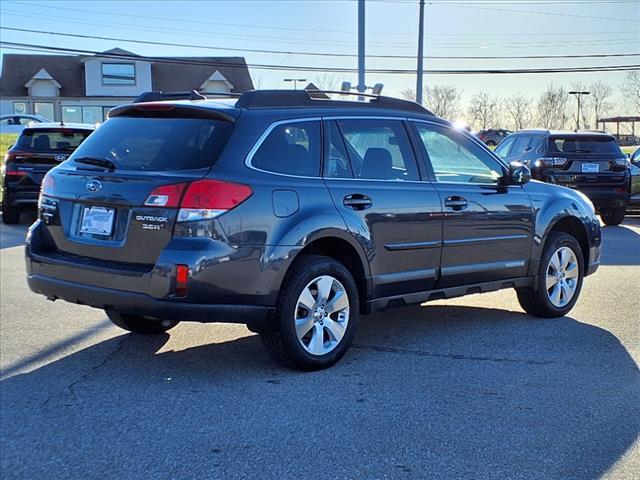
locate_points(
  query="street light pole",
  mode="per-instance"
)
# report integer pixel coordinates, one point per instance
(579, 97)
(420, 71)
(361, 83)
(295, 81)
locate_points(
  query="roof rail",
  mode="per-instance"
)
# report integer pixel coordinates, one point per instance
(254, 99)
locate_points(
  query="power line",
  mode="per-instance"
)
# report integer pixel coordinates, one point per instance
(319, 54)
(191, 61)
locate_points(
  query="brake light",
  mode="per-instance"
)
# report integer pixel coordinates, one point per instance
(201, 200)
(166, 196)
(16, 155)
(15, 173)
(155, 106)
(182, 276)
(205, 199)
(551, 161)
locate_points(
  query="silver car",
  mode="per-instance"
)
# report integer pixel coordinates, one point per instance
(15, 123)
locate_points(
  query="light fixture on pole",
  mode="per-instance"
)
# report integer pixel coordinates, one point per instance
(579, 97)
(295, 81)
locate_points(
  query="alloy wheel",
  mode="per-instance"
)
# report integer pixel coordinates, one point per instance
(562, 277)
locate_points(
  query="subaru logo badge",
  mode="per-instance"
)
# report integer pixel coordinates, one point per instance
(94, 186)
(60, 158)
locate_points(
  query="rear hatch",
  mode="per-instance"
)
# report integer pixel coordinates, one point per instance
(94, 204)
(40, 149)
(590, 160)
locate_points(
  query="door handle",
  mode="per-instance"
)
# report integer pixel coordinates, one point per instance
(456, 203)
(357, 201)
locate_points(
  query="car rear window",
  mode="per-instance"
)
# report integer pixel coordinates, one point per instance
(51, 140)
(575, 144)
(157, 144)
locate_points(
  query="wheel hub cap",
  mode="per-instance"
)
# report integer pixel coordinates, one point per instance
(322, 315)
(562, 276)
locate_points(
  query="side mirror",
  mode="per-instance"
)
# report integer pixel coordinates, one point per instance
(519, 174)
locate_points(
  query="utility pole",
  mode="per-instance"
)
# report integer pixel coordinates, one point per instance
(361, 82)
(579, 97)
(295, 81)
(420, 54)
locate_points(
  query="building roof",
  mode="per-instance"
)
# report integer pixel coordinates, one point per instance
(68, 71)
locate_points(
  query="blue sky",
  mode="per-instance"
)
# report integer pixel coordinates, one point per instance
(471, 28)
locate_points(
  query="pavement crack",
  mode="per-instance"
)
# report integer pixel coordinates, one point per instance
(452, 356)
(70, 389)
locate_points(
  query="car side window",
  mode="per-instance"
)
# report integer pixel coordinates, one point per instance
(6, 121)
(456, 159)
(503, 149)
(520, 146)
(24, 120)
(378, 149)
(292, 149)
(336, 163)
(537, 145)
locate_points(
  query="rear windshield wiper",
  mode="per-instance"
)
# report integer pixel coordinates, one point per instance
(100, 162)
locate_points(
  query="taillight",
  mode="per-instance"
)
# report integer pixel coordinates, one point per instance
(166, 196)
(551, 161)
(205, 199)
(202, 199)
(15, 173)
(182, 276)
(622, 162)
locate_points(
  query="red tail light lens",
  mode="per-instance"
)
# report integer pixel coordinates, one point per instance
(15, 173)
(202, 199)
(182, 276)
(166, 196)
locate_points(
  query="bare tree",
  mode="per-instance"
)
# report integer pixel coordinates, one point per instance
(326, 81)
(443, 100)
(258, 79)
(600, 92)
(483, 110)
(519, 111)
(552, 108)
(408, 94)
(631, 90)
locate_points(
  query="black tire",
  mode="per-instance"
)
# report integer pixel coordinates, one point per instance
(10, 215)
(139, 324)
(282, 344)
(536, 301)
(613, 216)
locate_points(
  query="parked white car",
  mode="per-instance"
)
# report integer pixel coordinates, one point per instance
(15, 123)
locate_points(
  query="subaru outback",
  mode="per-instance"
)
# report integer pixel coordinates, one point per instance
(294, 214)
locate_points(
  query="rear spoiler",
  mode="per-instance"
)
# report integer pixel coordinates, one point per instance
(172, 110)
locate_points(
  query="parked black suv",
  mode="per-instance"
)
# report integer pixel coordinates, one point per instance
(590, 162)
(294, 214)
(38, 149)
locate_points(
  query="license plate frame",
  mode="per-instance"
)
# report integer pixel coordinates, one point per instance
(590, 167)
(97, 220)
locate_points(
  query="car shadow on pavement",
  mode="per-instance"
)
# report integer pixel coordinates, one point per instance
(626, 240)
(14, 235)
(435, 391)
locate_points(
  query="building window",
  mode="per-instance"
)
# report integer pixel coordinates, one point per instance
(118, 74)
(105, 112)
(91, 114)
(72, 114)
(44, 109)
(19, 107)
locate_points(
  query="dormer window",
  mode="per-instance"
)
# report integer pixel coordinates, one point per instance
(118, 74)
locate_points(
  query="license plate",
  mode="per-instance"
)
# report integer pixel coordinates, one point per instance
(97, 220)
(590, 167)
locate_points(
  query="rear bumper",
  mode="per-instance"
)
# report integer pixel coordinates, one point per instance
(255, 316)
(606, 197)
(21, 197)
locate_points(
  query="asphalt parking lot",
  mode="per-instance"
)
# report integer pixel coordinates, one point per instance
(470, 388)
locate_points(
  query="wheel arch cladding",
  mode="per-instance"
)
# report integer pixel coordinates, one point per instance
(574, 227)
(347, 254)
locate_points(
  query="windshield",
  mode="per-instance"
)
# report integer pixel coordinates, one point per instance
(575, 144)
(157, 144)
(51, 140)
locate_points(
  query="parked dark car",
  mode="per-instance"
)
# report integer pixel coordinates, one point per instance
(39, 148)
(590, 162)
(634, 201)
(294, 215)
(493, 137)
